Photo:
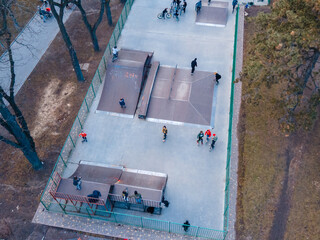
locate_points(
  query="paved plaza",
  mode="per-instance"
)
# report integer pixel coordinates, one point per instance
(196, 177)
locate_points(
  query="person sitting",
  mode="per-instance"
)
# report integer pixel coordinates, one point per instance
(164, 13)
(77, 182)
(93, 198)
(125, 195)
(198, 6)
(137, 196)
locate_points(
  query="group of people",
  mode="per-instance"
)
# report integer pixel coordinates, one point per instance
(176, 6)
(200, 137)
(137, 196)
(207, 134)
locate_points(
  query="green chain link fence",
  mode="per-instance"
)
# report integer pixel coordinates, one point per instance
(167, 226)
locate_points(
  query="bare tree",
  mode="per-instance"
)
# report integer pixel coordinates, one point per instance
(12, 119)
(62, 4)
(108, 12)
(92, 29)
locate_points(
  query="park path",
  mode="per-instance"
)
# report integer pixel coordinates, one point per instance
(28, 48)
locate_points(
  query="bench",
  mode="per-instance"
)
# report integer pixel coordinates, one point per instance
(145, 97)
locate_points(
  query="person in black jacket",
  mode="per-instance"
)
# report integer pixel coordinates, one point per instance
(193, 65)
(217, 76)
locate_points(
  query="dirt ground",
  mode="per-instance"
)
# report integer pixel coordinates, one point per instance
(278, 175)
(50, 100)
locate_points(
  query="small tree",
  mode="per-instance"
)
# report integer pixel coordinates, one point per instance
(13, 121)
(92, 29)
(285, 51)
(59, 17)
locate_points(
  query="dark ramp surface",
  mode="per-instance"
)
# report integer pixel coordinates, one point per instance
(97, 174)
(143, 180)
(216, 14)
(123, 80)
(178, 96)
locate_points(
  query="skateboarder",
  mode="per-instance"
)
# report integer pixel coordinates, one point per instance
(200, 138)
(164, 131)
(213, 142)
(122, 103)
(208, 135)
(217, 76)
(84, 136)
(193, 65)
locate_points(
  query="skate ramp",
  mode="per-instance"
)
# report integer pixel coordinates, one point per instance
(215, 14)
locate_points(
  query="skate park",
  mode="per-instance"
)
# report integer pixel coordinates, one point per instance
(131, 138)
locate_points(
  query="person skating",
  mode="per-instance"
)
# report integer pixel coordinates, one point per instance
(83, 135)
(213, 142)
(200, 138)
(122, 103)
(217, 77)
(165, 132)
(194, 64)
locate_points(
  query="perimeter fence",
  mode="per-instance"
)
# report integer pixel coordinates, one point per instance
(48, 202)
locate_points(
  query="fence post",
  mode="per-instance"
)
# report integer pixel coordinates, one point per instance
(197, 231)
(114, 38)
(109, 49)
(72, 141)
(87, 105)
(79, 122)
(44, 205)
(88, 212)
(94, 94)
(104, 60)
(63, 160)
(115, 218)
(99, 75)
(121, 20)
(169, 227)
(141, 222)
(125, 8)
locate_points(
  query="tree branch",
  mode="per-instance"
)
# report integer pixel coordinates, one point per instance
(3, 139)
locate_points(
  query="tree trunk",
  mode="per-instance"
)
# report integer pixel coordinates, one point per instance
(108, 12)
(24, 143)
(92, 30)
(66, 38)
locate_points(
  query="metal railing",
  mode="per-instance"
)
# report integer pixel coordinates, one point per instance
(167, 226)
(227, 187)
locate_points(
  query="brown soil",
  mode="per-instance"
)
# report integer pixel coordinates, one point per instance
(50, 100)
(276, 197)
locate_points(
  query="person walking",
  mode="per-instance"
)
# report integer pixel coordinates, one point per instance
(83, 135)
(186, 226)
(122, 103)
(217, 77)
(208, 135)
(198, 6)
(165, 132)
(200, 138)
(234, 4)
(193, 65)
(115, 51)
(213, 142)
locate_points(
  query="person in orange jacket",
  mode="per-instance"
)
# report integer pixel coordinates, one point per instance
(84, 136)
